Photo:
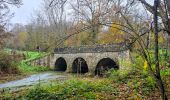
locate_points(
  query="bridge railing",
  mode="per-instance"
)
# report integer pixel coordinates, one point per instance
(93, 48)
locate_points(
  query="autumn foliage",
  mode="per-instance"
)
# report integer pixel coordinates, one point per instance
(114, 34)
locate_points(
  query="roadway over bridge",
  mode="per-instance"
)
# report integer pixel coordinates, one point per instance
(93, 59)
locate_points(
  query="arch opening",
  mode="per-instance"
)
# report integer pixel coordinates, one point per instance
(79, 66)
(60, 64)
(104, 65)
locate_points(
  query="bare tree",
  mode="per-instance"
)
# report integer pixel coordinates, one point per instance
(157, 75)
(5, 10)
(163, 12)
(90, 12)
(48, 25)
(143, 50)
(5, 15)
(56, 16)
(37, 31)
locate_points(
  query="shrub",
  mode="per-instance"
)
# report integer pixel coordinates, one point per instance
(40, 93)
(8, 64)
(120, 76)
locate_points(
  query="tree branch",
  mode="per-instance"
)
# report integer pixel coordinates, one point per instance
(148, 6)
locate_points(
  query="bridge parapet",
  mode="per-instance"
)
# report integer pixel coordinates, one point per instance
(92, 48)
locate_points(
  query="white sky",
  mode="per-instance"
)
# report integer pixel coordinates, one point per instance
(23, 14)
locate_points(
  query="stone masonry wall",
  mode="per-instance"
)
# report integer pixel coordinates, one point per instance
(92, 55)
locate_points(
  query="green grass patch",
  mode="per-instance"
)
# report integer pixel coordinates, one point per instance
(24, 67)
(33, 55)
(27, 68)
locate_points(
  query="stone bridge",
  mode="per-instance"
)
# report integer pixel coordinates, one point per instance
(83, 59)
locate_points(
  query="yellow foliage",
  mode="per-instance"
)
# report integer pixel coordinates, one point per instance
(116, 29)
(22, 37)
(161, 39)
(114, 35)
(145, 66)
(78, 39)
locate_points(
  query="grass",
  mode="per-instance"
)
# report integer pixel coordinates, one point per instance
(115, 86)
(30, 55)
(26, 68)
(132, 85)
(29, 69)
(74, 89)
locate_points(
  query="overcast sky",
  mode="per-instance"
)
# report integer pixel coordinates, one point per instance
(23, 14)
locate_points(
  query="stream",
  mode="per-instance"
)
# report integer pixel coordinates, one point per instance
(34, 79)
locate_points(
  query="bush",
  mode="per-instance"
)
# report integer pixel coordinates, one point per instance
(40, 94)
(8, 64)
(119, 76)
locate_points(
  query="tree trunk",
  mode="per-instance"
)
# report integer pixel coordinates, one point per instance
(158, 77)
(163, 14)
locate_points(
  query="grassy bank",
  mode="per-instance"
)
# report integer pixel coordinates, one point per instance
(26, 68)
(133, 85)
(23, 69)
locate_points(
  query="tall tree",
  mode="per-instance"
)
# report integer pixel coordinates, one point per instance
(5, 10)
(163, 12)
(5, 15)
(158, 76)
(56, 17)
(144, 51)
(89, 13)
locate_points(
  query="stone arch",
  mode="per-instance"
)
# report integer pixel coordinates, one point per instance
(79, 65)
(60, 64)
(104, 65)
